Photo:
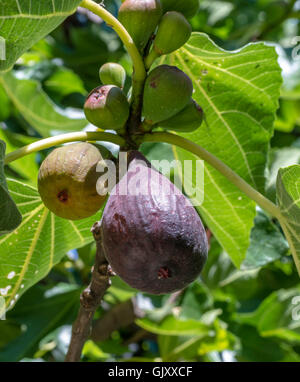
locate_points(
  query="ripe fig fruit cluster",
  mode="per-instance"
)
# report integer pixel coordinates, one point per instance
(152, 236)
(67, 181)
(157, 27)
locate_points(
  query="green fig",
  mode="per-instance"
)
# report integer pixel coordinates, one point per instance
(167, 91)
(187, 120)
(173, 31)
(140, 18)
(189, 8)
(107, 107)
(112, 74)
(68, 181)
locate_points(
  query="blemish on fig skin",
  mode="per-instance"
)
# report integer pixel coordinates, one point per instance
(153, 84)
(63, 196)
(164, 273)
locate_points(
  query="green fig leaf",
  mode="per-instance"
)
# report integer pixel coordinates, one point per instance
(238, 92)
(41, 240)
(10, 216)
(277, 316)
(36, 107)
(288, 199)
(24, 22)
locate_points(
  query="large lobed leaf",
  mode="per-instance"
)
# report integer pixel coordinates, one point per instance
(42, 239)
(24, 22)
(10, 216)
(239, 93)
(288, 199)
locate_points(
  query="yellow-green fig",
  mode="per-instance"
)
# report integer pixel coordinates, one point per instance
(187, 120)
(167, 91)
(173, 31)
(112, 73)
(188, 8)
(68, 181)
(107, 107)
(140, 18)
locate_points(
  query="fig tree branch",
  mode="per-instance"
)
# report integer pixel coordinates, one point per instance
(233, 177)
(90, 299)
(64, 138)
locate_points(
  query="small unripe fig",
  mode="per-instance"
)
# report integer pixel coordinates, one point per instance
(188, 8)
(187, 120)
(112, 74)
(167, 91)
(140, 18)
(152, 236)
(107, 107)
(173, 31)
(67, 181)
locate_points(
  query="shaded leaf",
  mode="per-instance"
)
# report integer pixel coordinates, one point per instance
(10, 216)
(24, 22)
(36, 107)
(28, 254)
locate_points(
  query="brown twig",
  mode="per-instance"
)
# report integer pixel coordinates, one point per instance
(90, 299)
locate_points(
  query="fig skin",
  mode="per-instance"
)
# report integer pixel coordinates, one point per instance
(187, 120)
(167, 91)
(67, 181)
(189, 8)
(112, 73)
(107, 108)
(154, 240)
(173, 32)
(140, 18)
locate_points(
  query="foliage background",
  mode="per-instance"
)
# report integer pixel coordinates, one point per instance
(229, 314)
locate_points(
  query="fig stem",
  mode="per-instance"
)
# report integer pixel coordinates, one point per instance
(152, 56)
(138, 64)
(90, 299)
(64, 138)
(234, 178)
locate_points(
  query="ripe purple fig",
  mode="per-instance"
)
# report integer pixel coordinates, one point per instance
(67, 181)
(107, 108)
(152, 236)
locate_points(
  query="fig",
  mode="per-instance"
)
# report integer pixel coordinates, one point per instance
(112, 74)
(189, 8)
(67, 181)
(152, 236)
(140, 18)
(107, 107)
(187, 120)
(173, 31)
(167, 91)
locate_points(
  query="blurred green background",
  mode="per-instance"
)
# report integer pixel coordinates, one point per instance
(252, 314)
